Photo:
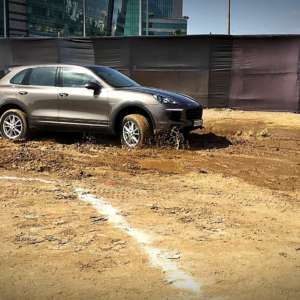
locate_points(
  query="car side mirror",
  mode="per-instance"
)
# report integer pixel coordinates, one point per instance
(96, 87)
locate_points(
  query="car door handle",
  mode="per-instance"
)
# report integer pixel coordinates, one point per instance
(63, 94)
(23, 93)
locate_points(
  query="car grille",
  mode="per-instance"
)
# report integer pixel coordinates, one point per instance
(194, 113)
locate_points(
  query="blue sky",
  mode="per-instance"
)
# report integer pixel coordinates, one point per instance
(248, 16)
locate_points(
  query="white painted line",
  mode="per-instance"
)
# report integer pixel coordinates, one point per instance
(26, 179)
(158, 258)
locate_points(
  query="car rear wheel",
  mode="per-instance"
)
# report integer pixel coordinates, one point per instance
(135, 131)
(13, 125)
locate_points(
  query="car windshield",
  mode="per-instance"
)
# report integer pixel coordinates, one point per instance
(113, 77)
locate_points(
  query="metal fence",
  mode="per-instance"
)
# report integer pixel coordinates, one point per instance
(246, 72)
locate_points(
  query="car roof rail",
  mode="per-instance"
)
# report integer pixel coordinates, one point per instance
(6, 69)
(11, 66)
(3, 72)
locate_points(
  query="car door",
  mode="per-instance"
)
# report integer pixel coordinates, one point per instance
(79, 106)
(38, 91)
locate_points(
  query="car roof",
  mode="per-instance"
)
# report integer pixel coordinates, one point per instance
(15, 68)
(12, 70)
(53, 65)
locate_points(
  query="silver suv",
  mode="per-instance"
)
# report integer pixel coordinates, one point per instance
(90, 98)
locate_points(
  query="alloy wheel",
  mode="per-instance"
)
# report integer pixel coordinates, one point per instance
(131, 134)
(12, 126)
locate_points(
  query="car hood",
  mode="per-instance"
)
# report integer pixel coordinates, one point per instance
(180, 98)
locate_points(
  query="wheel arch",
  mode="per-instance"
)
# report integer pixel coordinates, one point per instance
(11, 105)
(128, 110)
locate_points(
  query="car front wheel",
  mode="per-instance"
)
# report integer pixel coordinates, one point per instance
(13, 125)
(135, 131)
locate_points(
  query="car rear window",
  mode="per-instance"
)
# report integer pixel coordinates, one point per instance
(19, 78)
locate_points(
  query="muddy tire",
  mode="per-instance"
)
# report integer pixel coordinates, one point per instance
(13, 125)
(135, 131)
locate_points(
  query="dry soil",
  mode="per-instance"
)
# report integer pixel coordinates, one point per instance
(229, 208)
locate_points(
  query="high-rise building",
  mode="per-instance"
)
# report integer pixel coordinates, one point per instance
(67, 17)
(165, 18)
(15, 18)
(128, 17)
(76, 18)
(147, 17)
(177, 9)
(96, 17)
(56, 18)
(2, 19)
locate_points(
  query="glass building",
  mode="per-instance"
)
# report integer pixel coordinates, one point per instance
(55, 18)
(129, 17)
(116, 19)
(132, 20)
(1, 18)
(165, 18)
(96, 17)
(161, 8)
(169, 26)
(67, 17)
(147, 17)
(78, 18)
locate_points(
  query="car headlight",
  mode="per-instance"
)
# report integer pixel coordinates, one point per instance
(164, 100)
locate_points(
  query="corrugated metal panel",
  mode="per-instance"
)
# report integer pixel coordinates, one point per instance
(251, 72)
(220, 72)
(265, 74)
(34, 51)
(76, 51)
(114, 53)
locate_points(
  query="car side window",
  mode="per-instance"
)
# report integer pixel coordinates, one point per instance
(19, 78)
(43, 76)
(72, 77)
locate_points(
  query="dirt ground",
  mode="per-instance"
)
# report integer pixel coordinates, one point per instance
(228, 209)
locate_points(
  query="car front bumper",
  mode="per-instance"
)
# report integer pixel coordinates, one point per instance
(185, 119)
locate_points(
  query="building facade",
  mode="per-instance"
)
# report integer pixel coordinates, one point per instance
(54, 18)
(67, 17)
(147, 17)
(2, 18)
(79, 18)
(167, 26)
(165, 18)
(128, 17)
